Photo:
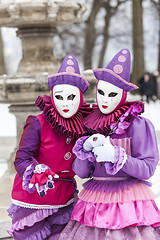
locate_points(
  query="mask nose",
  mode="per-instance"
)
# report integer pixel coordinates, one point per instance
(65, 103)
(105, 99)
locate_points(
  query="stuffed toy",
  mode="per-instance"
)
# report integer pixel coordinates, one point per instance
(43, 179)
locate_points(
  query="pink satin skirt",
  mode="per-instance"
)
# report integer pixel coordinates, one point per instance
(134, 206)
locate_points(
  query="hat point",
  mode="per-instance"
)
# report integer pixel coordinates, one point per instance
(69, 73)
(69, 65)
(117, 71)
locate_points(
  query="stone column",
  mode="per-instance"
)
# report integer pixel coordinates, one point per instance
(37, 50)
(90, 94)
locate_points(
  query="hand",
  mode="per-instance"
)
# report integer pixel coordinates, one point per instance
(94, 141)
(105, 153)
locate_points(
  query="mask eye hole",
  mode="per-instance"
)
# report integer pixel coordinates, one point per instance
(71, 97)
(59, 97)
(100, 92)
(112, 94)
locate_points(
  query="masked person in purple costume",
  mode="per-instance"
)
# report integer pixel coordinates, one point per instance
(120, 156)
(44, 186)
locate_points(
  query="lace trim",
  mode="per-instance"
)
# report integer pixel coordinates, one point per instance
(110, 178)
(34, 206)
(121, 158)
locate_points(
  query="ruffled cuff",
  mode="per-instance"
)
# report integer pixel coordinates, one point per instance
(27, 177)
(79, 151)
(121, 157)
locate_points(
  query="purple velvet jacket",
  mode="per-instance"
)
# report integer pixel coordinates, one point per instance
(48, 139)
(140, 144)
(40, 144)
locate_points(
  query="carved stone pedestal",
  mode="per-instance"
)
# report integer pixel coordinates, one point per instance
(37, 47)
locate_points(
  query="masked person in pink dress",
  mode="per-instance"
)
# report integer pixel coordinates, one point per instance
(44, 186)
(119, 157)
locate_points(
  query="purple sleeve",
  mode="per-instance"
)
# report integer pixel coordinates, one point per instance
(79, 151)
(28, 146)
(83, 163)
(144, 150)
(84, 169)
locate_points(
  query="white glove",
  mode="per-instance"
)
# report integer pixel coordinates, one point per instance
(94, 141)
(105, 153)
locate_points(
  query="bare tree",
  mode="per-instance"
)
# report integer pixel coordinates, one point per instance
(138, 41)
(109, 14)
(2, 63)
(90, 33)
(157, 6)
(110, 11)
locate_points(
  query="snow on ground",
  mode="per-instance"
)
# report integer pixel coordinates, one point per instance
(152, 112)
(3, 168)
(7, 121)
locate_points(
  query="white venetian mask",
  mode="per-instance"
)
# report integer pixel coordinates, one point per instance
(108, 96)
(66, 99)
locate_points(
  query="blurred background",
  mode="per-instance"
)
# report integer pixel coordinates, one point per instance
(36, 35)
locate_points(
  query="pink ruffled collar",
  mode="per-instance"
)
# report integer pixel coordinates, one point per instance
(115, 122)
(71, 127)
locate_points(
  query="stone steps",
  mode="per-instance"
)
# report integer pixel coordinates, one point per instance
(3, 230)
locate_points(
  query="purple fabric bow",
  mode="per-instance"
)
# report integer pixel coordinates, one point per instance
(121, 125)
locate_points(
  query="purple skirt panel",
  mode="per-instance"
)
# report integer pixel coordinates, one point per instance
(76, 231)
(38, 223)
(111, 186)
(54, 237)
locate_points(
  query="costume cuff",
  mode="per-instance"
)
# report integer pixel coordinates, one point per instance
(27, 175)
(79, 151)
(120, 157)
